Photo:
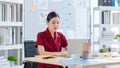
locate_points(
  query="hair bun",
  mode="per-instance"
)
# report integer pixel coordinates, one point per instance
(53, 11)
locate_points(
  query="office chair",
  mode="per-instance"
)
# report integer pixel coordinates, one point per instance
(30, 51)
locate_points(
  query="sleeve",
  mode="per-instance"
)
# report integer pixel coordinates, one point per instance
(39, 40)
(64, 41)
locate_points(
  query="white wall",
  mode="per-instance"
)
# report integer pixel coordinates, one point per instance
(74, 17)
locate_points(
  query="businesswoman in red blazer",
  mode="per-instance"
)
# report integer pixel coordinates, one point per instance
(51, 42)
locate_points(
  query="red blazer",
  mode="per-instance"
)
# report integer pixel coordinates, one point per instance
(52, 45)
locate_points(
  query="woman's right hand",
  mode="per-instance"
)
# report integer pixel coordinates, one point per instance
(62, 54)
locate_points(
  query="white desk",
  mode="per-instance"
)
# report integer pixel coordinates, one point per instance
(48, 61)
(64, 62)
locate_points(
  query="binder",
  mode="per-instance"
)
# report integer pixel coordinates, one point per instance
(112, 2)
(106, 2)
(109, 2)
(100, 2)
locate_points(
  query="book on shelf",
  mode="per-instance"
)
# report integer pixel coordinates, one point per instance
(8, 12)
(106, 2)
(19, 35)
(2, 34)
(10, 35)
(100, 2)
(12, 12)
(21, 14)
(110, 3)
(106, 17)
(3, 12)
(18, 12)
(0, 11)
(116, 18)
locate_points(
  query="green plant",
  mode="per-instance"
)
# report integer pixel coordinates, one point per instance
(109, 49)
(117, 36)
(101, 50)
(12, 58)
(104, 50)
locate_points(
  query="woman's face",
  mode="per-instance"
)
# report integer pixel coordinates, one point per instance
(53, 23)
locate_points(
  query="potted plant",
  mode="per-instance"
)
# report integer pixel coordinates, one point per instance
(12, 60)
(117, 36)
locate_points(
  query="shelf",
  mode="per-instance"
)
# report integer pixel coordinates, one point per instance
(6, 24)
(13, 1)
(108, 8)
(106, 25)
(107, 42)
(16, 66)
(95, 42)
(8, 47)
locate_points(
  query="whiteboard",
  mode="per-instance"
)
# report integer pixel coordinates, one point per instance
(74, 17)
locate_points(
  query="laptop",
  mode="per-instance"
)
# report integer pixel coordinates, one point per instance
(75, 46)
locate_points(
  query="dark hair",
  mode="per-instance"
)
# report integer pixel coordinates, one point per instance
(51, 15)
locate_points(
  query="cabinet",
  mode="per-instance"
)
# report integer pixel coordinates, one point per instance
(11, 13)
(106, 24)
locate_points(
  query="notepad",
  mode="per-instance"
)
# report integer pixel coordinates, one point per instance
(44, 56)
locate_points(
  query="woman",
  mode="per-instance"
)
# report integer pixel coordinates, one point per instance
(50, 42)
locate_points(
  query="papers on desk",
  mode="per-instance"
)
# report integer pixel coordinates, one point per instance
(44, 56)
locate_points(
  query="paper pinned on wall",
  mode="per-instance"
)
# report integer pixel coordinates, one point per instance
(41, 4)
(43, 16)
(33, 9)
(56, 0)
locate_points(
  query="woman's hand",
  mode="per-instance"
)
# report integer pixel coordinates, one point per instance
(62, 54)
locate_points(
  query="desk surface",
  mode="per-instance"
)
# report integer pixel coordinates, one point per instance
(80, 62)
(48, 61)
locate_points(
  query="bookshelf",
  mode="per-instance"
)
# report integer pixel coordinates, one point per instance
(11, 13)
(12, 24)
(9, 47)
(106, 24)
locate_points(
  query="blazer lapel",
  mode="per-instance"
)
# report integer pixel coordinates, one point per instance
(49, 38)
